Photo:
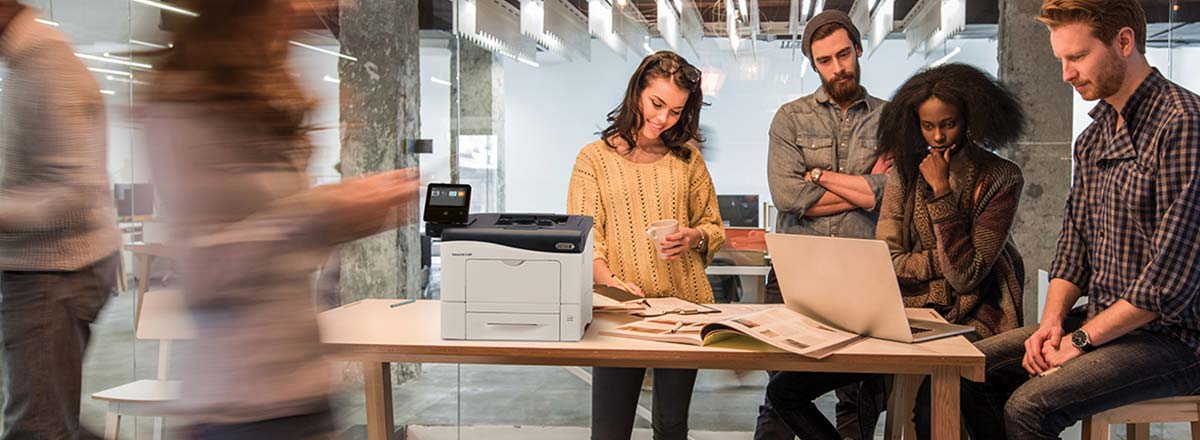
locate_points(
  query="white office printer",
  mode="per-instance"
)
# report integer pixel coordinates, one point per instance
(521, 277)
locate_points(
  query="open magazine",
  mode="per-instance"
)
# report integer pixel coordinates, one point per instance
(779, 327)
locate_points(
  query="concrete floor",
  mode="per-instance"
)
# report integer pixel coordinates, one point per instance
(493, 402)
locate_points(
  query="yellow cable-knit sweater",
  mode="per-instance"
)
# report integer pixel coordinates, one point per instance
(624, 197)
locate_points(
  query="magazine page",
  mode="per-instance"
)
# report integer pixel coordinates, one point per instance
(675, 327)
(661, 329)
(612, 299)
(650, 307)
(785, 329)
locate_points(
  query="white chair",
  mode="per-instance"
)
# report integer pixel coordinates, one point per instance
(165, 319)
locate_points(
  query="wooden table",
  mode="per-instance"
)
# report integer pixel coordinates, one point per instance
(146, 253)
(370, 332)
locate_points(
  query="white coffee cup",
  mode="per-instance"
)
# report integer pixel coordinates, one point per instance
(658, 231)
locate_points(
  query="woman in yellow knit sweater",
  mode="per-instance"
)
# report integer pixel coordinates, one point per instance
(642, 170)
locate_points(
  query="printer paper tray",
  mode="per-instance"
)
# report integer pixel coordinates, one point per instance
(523, 308)
(512, 326)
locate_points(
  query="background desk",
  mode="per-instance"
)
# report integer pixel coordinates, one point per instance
(754, 280)
(370, 332)
(145, 253)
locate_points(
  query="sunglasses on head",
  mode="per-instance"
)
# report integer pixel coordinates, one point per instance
(670, 67)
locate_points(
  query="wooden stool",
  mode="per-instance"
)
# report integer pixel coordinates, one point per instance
(1138, 416)
(166, 319)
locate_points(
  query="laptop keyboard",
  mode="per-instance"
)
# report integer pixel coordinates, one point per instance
(919, 330)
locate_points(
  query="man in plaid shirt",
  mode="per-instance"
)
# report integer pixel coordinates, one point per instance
(1130, 241)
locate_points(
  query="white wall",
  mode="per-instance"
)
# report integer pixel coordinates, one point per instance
(554, 110)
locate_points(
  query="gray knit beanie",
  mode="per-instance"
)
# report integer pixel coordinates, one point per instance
(824, 18)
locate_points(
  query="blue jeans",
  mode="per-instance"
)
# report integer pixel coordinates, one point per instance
(46, 319)
(615, 393)
(1135, 367)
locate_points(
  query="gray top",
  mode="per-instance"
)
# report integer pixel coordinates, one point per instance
(803, 135)
(56, 205)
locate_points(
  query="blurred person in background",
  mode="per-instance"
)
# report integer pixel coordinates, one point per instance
(58, 229)
(229, 150)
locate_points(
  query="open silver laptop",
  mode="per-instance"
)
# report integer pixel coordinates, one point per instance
(848, 283)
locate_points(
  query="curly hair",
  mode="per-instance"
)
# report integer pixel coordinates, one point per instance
(626, 120)
(992, 116)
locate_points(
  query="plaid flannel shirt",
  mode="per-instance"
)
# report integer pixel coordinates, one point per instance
(1132, 224)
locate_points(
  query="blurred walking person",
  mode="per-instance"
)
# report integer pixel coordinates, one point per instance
(225, 122)
(58, 226)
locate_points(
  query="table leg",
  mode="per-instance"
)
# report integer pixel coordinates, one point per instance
(377, 380)
(143, 285)
(945, 403)
(900, 404)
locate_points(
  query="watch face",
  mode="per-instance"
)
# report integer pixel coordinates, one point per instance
(1079, 339)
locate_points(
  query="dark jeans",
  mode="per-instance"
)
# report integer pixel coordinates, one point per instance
(314, 426)
(46, 318)
(615, 393)
(856, 412)
(791, 396)
(1135, 367)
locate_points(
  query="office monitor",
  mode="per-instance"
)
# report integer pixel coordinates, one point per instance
(739, 211)
(134, 199)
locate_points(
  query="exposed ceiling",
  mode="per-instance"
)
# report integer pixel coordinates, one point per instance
(1176, 18)
(110, 23)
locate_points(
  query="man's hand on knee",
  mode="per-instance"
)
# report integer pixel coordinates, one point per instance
(1049, 336)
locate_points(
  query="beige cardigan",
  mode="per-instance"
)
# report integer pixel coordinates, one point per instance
(624, 197)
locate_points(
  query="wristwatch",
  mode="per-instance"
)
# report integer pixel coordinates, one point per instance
(814, 175)
(1082, 341)
(702, 246)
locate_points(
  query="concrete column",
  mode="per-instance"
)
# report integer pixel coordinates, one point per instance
(477, 109)
(379, 110)
(1027, 65)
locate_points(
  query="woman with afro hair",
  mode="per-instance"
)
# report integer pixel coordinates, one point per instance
(950, 202)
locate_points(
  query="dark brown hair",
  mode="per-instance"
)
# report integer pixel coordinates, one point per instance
(230, 59)
(625, 121)
(1105, 17)
(828, 29)
(992, 116)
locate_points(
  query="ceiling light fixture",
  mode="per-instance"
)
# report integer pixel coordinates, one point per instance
(946, 58)
(114, 61)
(147, 44)
(324, 51)
(110, 71)
(166, 7)
(125, 80)
(494, 25)
(558, 26)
